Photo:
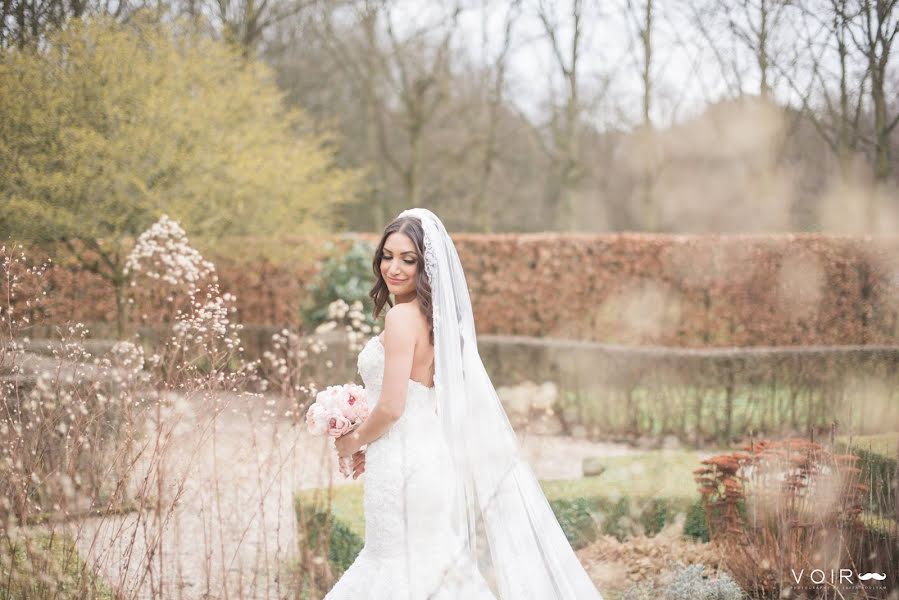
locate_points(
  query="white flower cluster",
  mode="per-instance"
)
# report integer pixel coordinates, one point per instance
(354, 322)
(209, 321)
(128, 356)
(162, 252)
(284, 362)
(339, 308)
(17, 276)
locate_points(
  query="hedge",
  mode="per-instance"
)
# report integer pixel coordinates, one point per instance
(703, 290)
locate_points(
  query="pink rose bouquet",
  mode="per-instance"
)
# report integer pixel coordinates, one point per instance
(337, 410)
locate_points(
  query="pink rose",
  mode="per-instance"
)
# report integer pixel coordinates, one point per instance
(354, 405)
(317, 419)
(361, 411)
(329, 397)
(338, 425)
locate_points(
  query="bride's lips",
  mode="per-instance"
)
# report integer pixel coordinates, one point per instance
(395, 281)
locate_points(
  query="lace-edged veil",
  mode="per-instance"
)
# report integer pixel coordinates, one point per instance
(500, 512)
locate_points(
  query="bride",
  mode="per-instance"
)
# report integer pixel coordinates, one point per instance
(452, 510)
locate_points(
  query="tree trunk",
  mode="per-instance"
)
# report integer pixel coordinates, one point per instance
(650, 208)
(120, 282)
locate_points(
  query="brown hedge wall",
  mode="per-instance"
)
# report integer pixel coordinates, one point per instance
(629, 288)
(696, 290)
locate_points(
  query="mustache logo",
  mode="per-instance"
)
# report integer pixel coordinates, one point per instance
(877, 576)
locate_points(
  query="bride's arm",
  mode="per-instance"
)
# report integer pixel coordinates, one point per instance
(399, 351)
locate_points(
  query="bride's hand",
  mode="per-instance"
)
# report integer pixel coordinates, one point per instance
(358, 465)
(347, 444)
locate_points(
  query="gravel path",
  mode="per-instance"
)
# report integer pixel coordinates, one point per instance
(232, 531)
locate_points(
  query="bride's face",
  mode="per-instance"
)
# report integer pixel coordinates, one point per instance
(399, 263)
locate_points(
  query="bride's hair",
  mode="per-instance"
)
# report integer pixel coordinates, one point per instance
(411, 227)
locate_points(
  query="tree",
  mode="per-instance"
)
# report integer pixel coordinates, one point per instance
(392, 87)
(644, 24)
(494, 87)
(107, 126)
(567, 115)
(243, 22)
(416, 73)
(833, 99)
(27, 22)
(876, 29)
(744, 30)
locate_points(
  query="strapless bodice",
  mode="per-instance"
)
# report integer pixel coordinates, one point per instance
(370, 364)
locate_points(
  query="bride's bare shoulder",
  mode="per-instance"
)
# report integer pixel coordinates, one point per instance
(403, 319)
(401, 316)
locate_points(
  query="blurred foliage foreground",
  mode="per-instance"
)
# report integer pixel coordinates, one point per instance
(91, 430)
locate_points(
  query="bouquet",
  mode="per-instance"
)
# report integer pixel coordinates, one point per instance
(337, 410)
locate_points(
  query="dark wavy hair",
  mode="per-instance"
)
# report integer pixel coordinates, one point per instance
(380, 295)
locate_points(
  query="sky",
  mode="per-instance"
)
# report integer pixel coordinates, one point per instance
(687, 76)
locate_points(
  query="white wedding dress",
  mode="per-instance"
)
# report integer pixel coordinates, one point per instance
(411, 551)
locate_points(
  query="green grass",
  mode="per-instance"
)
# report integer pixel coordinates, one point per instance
(662, 473)
(757, 407)
(47, 566)
(346, 503)
(878, 522)
(656, 474)
(882, 443)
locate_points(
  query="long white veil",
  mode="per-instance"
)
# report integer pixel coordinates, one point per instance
(500, 511)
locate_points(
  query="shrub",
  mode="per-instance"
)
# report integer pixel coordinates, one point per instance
(576, 521)
(782, 505)
(688, 583)
(691, 583)
(617, 520)
(343, 546)
(657, 513)
(695, 525)
(628, 516)
(48, 566)
(583, 518)
(342, 277)
(879, 473)
(327, 545)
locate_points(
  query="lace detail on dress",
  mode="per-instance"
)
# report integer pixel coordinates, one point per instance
(411, 551)
(370, 365)
(431, 272)
(374, 370)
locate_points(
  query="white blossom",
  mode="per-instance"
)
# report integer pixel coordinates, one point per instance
(162, 252)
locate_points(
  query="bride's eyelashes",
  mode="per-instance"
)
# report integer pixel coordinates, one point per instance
(408, 262)
(388, 257)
